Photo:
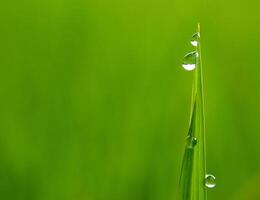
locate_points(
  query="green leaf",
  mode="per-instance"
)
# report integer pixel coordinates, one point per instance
(192, 178)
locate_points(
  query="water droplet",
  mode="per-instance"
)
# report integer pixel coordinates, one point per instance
(195, 39)
(210, 181)
(189, 60)
(191, 141)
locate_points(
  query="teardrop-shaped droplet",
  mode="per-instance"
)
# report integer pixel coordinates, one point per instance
(191, 142)
(210, 181)
(189, 60)
(195, 39)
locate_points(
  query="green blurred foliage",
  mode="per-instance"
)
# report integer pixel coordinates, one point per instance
(95, 105)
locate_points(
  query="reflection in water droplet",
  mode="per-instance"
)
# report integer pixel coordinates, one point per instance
(189, 67)
(195, 39)
(210, 181)
(191, 141)
(189, 61)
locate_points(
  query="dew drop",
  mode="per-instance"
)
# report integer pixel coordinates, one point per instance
(191, 141)
(210, 181)
(189, 61)
(195, 39)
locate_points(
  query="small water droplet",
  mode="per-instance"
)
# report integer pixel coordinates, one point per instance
(195, 39)
(191, 141)
(210, 181)
(189, 60)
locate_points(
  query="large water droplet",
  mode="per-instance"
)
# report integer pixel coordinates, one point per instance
(191, 141)
(189, 60)
(210, 181)
(195, 39)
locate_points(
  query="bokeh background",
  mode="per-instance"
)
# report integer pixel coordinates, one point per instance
(95, 104)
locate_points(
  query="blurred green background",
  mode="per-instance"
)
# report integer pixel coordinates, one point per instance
(95, 104)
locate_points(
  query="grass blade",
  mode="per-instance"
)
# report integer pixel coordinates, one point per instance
(192, 179)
